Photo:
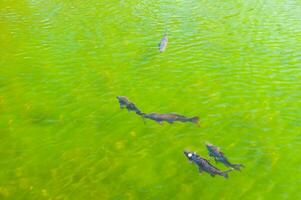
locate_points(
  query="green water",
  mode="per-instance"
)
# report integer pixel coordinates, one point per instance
(236, 64)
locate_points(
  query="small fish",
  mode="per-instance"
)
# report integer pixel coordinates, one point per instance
(170, 118)
(125, 103)
(220, 157)
(205, 165)
(163, 43)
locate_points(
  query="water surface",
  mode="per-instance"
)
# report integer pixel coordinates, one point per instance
(236, 64)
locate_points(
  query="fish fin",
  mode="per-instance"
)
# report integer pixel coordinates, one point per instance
(219, 159)
(211, 154)
(143, 118)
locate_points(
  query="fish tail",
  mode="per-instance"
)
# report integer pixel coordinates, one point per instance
(237, 166)
(225, 173)
(194, 120)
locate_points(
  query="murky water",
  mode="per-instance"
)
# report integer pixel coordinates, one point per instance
(236, 64)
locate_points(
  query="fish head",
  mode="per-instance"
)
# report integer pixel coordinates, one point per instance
(122, 99)
(208, 145)
(211, 147)
(189, 154)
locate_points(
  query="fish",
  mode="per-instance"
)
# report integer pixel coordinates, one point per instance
(220, 157)
(205, 165)
(163, 43)
(170, 118)
(125, 103)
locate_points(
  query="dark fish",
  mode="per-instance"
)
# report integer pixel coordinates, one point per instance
(220, 157)
(125, 103)
(205, 165)
(163, 43)
(170, 118)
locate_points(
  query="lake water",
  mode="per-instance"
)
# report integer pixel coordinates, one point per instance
(235, 64)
